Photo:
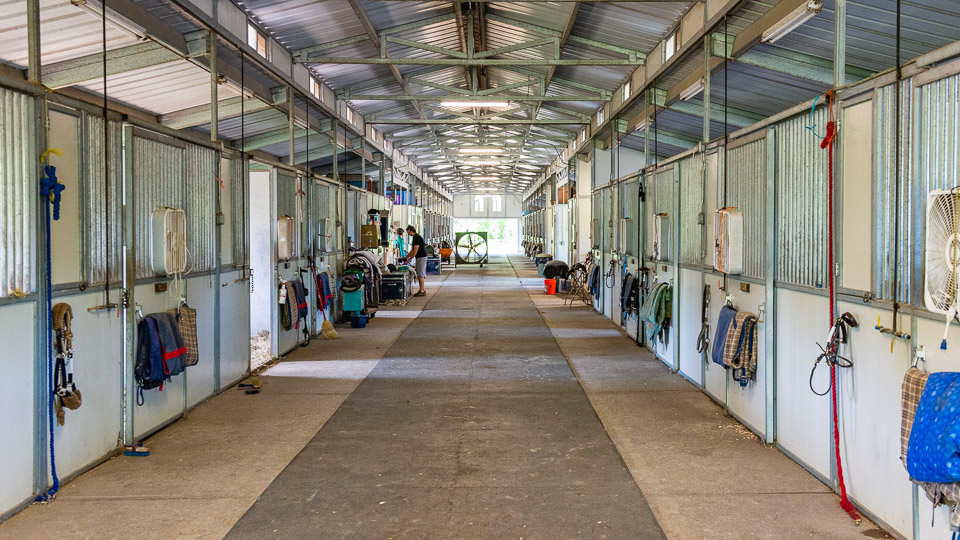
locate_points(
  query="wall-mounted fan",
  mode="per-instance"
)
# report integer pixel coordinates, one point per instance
(941, 289)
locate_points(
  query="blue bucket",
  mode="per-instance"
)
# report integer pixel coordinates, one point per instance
(358, 321)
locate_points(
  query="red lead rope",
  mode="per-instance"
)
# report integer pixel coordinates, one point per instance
(828, 144)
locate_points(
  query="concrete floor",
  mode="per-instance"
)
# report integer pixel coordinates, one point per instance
(489, 441)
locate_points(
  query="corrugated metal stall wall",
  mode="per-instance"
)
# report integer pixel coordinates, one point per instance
(158, 170)
(885, 194)
(100, 201)
(18, 176)
(240, 209)
(746, 188)
(691, 208)
(801, 203)
(201, 204)
(662, 204)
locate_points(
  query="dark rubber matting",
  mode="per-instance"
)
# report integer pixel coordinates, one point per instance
(471, 426)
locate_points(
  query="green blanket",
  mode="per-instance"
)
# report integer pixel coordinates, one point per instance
(657, 308)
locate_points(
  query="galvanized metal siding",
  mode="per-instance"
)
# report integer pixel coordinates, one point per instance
(747, 190)
(201, 206)
(100, 202)
(801, 203)
(936, 160)
(691, 207)
(631, 211)
(663, 192)
(18, 179)
(287, 197)
(240, 209)
(885, 191)
(158, 181)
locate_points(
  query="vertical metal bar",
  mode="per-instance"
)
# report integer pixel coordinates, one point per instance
(363, 162)
(290, 128)
(840, 44)
(218, 222)
(42, 389)
(214, 105)
(383, 176)
(770, 311)
(33, 41)
(675, 261)
(128, 228)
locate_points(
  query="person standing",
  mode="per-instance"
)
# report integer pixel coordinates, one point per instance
(418, 250)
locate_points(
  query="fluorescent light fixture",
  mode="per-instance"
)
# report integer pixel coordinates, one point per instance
(485, 178)
(475, 103)
(120, 23)
(692, 91)
(481, 162)
(480, 150)
(486, 189)
(792, 21)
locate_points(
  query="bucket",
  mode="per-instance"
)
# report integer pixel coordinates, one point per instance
(358, 321)
(550, 286)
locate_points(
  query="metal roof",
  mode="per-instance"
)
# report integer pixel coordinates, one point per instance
(756, 83)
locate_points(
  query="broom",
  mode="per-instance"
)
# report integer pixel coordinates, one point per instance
(326, 329)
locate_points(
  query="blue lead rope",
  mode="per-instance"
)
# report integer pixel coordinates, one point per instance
(812, 126)
(50, 190)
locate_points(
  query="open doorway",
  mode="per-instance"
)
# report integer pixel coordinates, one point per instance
(503, 235)
(262, 267)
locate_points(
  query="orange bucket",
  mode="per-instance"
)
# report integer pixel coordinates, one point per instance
(550, 286)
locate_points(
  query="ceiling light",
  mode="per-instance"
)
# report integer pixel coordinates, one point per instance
(485, 178)
(480, 150)
(474, 103)
(790, 23)
(692, 91)
(120, 23)
(486, 189)
(481, 162)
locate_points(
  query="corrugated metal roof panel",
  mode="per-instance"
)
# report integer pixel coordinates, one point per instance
(66, 32)
(635, 25)
(301, 23)
(871, 31)
(161, 89)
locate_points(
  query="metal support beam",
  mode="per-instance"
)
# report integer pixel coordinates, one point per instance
(471, 97)
(491, 122)
(496, 62)
(672, 138)
(272, 137)
(801, 65)
(199, 115)
(33, 41)
(90, 67)
(840, 44)
(214, 91)
(291, 133)
(303, 54)
(372, 32)
(735, 117)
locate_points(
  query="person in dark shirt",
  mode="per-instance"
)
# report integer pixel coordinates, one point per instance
(418, 250)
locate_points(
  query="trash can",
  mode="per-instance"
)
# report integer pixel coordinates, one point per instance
(542, 260)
